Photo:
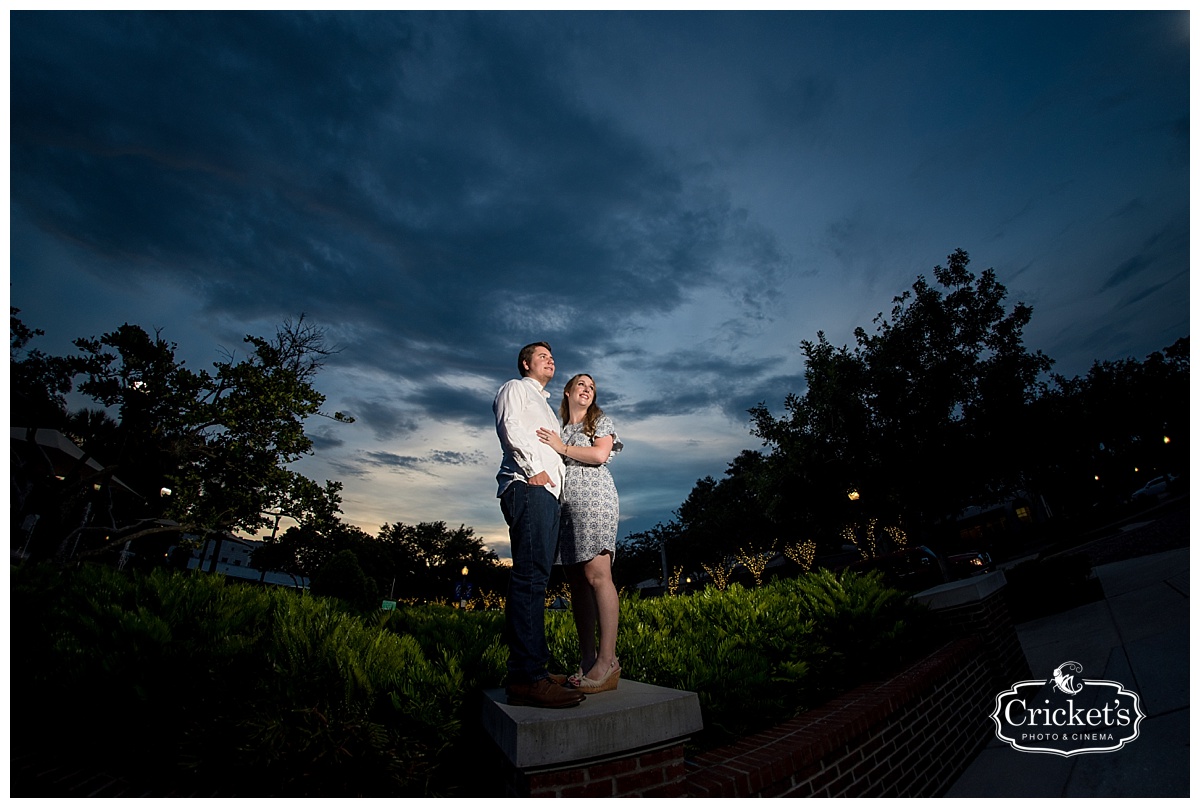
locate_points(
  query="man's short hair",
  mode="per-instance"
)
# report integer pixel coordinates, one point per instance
(526, 355)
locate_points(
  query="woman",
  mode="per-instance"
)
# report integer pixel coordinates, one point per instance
(588, 530)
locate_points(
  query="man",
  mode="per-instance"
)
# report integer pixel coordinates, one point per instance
(530, 477)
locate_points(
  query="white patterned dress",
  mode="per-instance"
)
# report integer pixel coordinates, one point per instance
(590, 508)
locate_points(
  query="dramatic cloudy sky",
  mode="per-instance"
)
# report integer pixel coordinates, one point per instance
(674, 200)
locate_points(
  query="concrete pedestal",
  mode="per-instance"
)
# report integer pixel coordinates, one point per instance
(625, 742)
(962, 592)
(978, 606)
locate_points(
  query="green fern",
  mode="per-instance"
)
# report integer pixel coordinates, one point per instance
(271, 692)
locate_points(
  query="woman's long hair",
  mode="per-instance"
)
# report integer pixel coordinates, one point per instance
(593, 411)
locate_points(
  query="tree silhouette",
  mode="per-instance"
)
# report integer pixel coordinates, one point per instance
(920, 418)
(216, 444)
(426, 560)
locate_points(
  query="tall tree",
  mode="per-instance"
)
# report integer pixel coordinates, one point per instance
(38, 382)
(1101, 435)
(723, 517)
(822, 450)
(425, 560)
(920, 419)
(218, 442)
(303, 550)
(640, 555)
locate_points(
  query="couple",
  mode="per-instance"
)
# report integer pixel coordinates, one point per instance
(560, 504)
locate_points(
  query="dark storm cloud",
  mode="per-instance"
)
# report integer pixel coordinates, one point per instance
(427, 464)
(770, 391)
(689, 381)
(1166, 246)
(393, 461)
(324, 439)
(448, 403)
(1142, 294)
(384, 419)
(427, 178)
(349, 467)
(671, 199)
(1127, 269)
(449, 458)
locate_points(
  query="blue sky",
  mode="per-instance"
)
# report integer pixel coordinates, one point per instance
(674, 200)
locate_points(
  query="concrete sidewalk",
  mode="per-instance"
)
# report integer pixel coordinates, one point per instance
(1137, 635)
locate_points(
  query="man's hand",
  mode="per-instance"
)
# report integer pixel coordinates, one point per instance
(541, 478)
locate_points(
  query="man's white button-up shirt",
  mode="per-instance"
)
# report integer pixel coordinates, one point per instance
(521, 408)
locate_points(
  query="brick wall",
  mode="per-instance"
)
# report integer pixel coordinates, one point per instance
(656, 773)
(990, 619)
(909, 736)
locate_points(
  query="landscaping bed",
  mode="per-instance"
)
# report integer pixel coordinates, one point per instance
(203, 686)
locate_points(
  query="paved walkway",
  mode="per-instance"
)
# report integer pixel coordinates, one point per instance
(1137, 635)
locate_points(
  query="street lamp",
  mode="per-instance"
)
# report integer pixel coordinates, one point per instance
(464, 589)
(853, 495)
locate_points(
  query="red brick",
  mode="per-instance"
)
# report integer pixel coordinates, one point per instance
(597, 788)
(802, 773)
(668, 790)
(638, 781)
(924, 719)
(839, 786)
(610, 768)
(822, 779)
(778, 788)
(661, 756)
(872, 745)
(711, 782)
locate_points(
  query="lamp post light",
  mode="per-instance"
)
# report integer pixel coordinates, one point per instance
(464, 589)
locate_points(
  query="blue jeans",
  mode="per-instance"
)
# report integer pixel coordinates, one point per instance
(532, 515)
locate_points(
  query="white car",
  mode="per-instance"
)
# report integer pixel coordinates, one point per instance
(1155, 488)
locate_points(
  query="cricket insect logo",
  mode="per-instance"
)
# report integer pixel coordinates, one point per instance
(1066, 715)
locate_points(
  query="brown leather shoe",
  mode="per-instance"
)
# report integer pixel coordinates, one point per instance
(542, 693)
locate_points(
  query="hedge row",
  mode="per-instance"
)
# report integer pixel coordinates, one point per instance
(194, 685)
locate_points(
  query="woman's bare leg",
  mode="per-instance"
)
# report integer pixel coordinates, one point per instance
(598, 574)
(583, 609)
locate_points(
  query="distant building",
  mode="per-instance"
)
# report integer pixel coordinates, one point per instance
(983, 526)
(234, 562)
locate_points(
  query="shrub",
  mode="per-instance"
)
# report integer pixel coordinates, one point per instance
(226, 687)
(222, 686)
(343, 577)
(758, 656)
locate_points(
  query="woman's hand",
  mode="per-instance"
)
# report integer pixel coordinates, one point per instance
(551, 439)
